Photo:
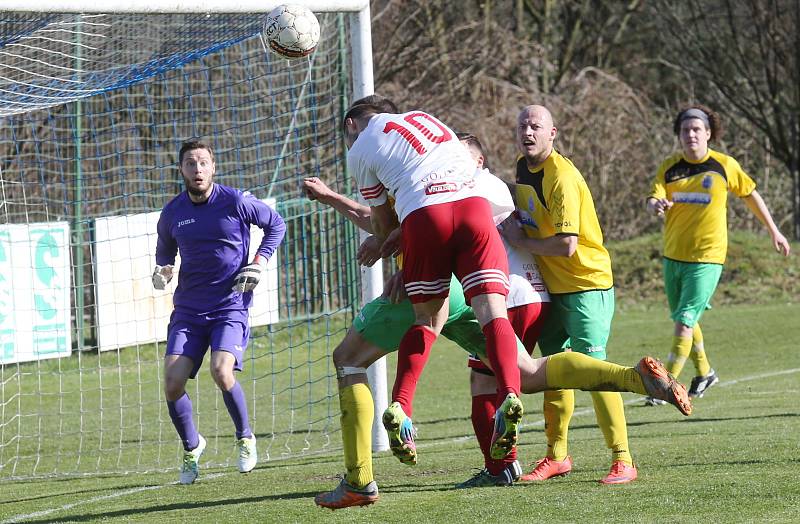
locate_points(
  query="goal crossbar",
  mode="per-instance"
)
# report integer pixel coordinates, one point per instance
(177, 6)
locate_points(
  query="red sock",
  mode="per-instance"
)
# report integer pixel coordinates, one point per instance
(411, 358)
(483, 423)
(501, 346)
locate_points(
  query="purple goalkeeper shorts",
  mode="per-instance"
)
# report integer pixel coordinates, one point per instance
(191, 335)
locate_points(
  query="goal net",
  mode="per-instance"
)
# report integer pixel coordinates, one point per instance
(93, 110)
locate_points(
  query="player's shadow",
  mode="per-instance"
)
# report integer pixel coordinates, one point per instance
(183, 506)
(410, 487)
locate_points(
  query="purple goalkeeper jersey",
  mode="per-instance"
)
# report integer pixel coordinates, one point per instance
(214, 241)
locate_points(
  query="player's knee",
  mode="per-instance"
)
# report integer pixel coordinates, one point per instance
(434, 324)
(173, 388)
(356, 351)
(342, 356)
(346, 365)
(482, 382)
(683, 330)
(438, 325)
(223, 375)
(488, 307)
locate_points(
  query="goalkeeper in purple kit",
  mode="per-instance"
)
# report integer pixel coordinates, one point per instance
(209, 224)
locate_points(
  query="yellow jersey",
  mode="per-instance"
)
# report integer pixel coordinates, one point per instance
(553, 199)
(696, 226)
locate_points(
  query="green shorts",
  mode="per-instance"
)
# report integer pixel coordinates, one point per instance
(689, 287)
(580, 321)
(383, 323)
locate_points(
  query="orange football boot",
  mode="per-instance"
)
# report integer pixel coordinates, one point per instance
(547, 468)
(621, 473)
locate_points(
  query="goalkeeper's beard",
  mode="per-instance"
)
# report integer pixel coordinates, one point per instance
(199, 193)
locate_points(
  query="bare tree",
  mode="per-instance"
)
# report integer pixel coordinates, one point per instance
(744, 56)
(613, 72)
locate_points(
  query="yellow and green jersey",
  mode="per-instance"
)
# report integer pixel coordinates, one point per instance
(554, 199)
(696, 228)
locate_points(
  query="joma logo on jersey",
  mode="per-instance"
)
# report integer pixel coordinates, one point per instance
(440, 187)
(185, 222)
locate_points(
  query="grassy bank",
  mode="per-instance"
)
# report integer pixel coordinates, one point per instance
(754, 273)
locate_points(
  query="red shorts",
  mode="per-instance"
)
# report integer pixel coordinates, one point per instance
(527, 321)
(453, 238)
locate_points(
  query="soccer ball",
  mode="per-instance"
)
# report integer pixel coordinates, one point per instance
(292, 31)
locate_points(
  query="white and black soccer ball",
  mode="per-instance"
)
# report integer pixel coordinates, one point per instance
(292, 31)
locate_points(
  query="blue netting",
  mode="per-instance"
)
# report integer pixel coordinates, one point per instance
(16, 27)
(51, 58)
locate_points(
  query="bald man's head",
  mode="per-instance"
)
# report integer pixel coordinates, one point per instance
(535, 134)
(539, 112)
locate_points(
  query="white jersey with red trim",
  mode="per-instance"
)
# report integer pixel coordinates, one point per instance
(496, 192)
(527, 285)
(525, 281)
(413, 157)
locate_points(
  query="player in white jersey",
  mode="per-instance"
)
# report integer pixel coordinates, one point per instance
(417, 171)
(528, 305)
(446, 227)
(522, 268)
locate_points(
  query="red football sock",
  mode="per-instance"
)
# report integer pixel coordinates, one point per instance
(501, 346)
(415, 347)
(483, 410)
(483, 422)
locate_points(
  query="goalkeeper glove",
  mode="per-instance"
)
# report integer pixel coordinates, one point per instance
(249, 276)
(161, 276)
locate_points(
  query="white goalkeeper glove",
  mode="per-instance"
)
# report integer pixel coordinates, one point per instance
(161, 276)
(249, 276)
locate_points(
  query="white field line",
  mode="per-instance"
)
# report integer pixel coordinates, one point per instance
(45, 512)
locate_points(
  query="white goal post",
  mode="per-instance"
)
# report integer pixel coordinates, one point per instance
(32, 216)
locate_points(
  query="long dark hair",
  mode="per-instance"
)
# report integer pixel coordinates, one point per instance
(714, 121)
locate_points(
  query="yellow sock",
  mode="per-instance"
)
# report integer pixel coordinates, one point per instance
(357, 413)
(610, 415)
(558, 406)
(698, 352)
(572, 370)
(681, 347)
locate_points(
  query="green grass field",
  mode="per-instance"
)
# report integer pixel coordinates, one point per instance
(734, 460)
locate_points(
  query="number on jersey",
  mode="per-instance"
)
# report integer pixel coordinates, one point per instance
(412, 135)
